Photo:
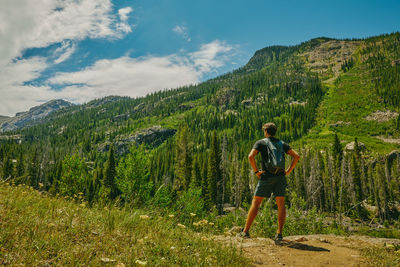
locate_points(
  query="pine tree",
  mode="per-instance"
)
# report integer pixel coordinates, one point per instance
(34, 170)
(205, 187)
(382, 192)
(183, 160)
(337, 154)
(20, 169)
(7, 168)
(329, 180)
(244, 175)
(110, 189)
(224, 169)
(356, 175)
(337, 150)
(196, 172)
(320, 177)
(214, 173)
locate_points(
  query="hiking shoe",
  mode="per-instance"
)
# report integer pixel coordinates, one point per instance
(278, 237)
(243, 234)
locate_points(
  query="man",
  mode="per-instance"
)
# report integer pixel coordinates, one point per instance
(271, 179)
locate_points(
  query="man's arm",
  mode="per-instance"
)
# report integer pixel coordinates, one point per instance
(252, 155)
(295, 159)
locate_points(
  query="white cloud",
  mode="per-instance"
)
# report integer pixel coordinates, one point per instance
(125, 76)
(122, 76)
(64, 52)
(211, 56)
(139, 76)
(39, 23)
(15, 95)
(123, 26)
(182, 30)
(28, 23)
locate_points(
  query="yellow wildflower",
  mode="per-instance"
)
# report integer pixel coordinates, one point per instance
(144, 217)
(141, 262)
(181, 225)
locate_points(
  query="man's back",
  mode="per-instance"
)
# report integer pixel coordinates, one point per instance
(263, 147)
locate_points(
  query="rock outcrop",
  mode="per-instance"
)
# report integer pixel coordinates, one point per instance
(34, 115)
(382, 116)
(350, 146)
(152, 136)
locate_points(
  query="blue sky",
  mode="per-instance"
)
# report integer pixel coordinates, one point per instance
(79, 50)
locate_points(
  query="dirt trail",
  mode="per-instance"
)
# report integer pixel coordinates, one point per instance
(308, 250)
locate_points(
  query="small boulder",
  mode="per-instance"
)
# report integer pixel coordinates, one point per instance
(350, 146)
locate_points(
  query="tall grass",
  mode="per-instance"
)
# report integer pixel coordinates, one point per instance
(36, 229)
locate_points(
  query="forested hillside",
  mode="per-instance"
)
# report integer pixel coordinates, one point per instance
(186, 148)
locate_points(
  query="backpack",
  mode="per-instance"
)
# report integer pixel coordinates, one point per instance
(276, 157)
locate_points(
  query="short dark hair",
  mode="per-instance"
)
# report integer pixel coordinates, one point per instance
(270, 127)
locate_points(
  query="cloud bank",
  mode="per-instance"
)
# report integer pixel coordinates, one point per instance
(28, 24)
(139, 76)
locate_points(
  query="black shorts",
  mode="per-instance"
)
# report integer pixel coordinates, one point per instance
(274, 184)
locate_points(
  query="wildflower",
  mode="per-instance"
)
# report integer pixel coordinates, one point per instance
(211, 223)
(196, 224)
(141, 262)
(107, 260)
(82, 205)
(144, 217)
(192, 214)
(202, 222)
(181, 225)
(171, 215)
(40, 185)
(172, 248)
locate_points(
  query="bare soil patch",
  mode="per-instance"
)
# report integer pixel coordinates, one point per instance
(381, 116)
(307, 250)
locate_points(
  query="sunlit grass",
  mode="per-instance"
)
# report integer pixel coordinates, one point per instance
(36, 229)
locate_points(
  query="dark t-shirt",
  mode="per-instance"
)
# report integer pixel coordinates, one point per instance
(261, 147)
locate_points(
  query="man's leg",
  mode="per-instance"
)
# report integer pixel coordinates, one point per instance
(280, 201)
(255, 204)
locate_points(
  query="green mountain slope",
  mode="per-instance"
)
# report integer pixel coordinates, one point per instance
(198, 136)
(355, 105)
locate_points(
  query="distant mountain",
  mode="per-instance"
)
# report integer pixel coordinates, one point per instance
(34, 115)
